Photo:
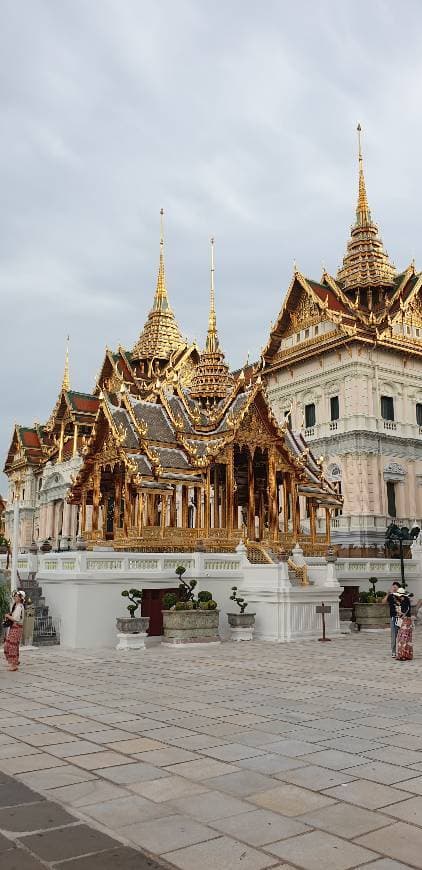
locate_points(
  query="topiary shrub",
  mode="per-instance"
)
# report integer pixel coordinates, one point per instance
(241, 603)
(135, 596)
(204, 596)
(170, 599)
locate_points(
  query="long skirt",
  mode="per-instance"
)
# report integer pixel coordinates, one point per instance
(11, 645)
(405, 641)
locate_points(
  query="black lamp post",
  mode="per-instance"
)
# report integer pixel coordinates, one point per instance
(397, 536)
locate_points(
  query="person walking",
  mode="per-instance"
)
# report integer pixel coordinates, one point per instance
(405, 632)
(14, 621)
(390, 599)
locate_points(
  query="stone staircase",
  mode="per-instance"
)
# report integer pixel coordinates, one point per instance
(46, 632)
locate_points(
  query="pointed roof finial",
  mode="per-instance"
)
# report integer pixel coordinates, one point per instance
(363, 214)
(161, 299)
(212, 337)
(66, 373)
(366, 263)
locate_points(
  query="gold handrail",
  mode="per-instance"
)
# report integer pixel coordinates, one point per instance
(301, 571)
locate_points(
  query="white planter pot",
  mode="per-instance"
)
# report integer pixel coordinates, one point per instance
(132, 632)
(242, 626)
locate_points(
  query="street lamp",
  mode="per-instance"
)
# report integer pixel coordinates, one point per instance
(397, 536)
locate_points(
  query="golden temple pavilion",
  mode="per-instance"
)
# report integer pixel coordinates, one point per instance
(182, 451)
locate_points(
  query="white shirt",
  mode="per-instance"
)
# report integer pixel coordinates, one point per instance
(18, 614)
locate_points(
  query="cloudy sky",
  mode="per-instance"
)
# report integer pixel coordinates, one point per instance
(238, 118)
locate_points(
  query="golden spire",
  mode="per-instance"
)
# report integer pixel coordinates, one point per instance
(212, 337)
(66, 373)
(363, 214)
(212, 379)
(161, 298)
(366, 262)
(160, 336)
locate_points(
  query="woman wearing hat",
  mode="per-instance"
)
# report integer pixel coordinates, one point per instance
(404, 620)
(14, 622)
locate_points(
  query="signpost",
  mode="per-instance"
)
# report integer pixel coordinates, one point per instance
(323, 609)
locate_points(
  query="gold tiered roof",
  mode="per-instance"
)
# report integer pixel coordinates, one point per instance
(160, 336)
(366, 263)
(212, 379)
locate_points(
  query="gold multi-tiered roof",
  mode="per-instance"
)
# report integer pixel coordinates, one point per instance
(212, 380)
(160, 336)
(366, 263)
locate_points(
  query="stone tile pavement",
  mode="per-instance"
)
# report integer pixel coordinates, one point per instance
(246, 756)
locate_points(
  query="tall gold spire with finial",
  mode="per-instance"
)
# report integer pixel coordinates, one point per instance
(66, 373)
(366, 264)
(160, 336)
(212, 379)
(212, 337)
(363, 214)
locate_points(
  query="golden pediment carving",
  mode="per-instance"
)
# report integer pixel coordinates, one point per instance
(305, 313)
(254, 431)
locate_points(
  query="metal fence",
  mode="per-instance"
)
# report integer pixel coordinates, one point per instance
(46, 630)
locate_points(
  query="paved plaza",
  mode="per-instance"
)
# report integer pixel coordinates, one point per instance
(302, 755)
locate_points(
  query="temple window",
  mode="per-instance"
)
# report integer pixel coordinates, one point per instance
(419, 413)
(391, 498)
(387, 409)
(334, 408)
(310, 417)
(316, 330)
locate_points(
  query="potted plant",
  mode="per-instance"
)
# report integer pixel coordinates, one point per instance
(241, 624)
(370, 614)
(189, 619)
(132, 630)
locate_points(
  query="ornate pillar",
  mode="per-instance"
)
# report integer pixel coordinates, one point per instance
(163, 515)
(185, 512)
(75, 440)
(96, 480)
(230, 491)
(173, 509)
(49, 532)
(216, 513)
(83, 512)
(285, 503)
(272, 494)
(66, 520)
(197, 507)
(224, 500)
(126, 510)
(207, 503)
(61, 442)
(327, 525)
(117, 501)
(312, 520)
(251, 499)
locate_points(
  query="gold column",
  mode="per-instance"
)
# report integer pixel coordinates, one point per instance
(230, 490)
(251, 499)
(117, 502)
(272, 495)
(173, 514)
(285, 503)
(185, 513)
(312, 522)
(163, 515)
(140, 511)
(327, 525)
(83, 512)
(96, 480)
(224, 499)
(61, 442)
(207, 502)
(126, 508)
(216, 515)
(198, 507)
(75, 440)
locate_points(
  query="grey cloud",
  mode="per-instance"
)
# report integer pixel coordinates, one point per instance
(238, 118)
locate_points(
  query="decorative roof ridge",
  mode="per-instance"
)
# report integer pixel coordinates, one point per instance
(66, 373)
